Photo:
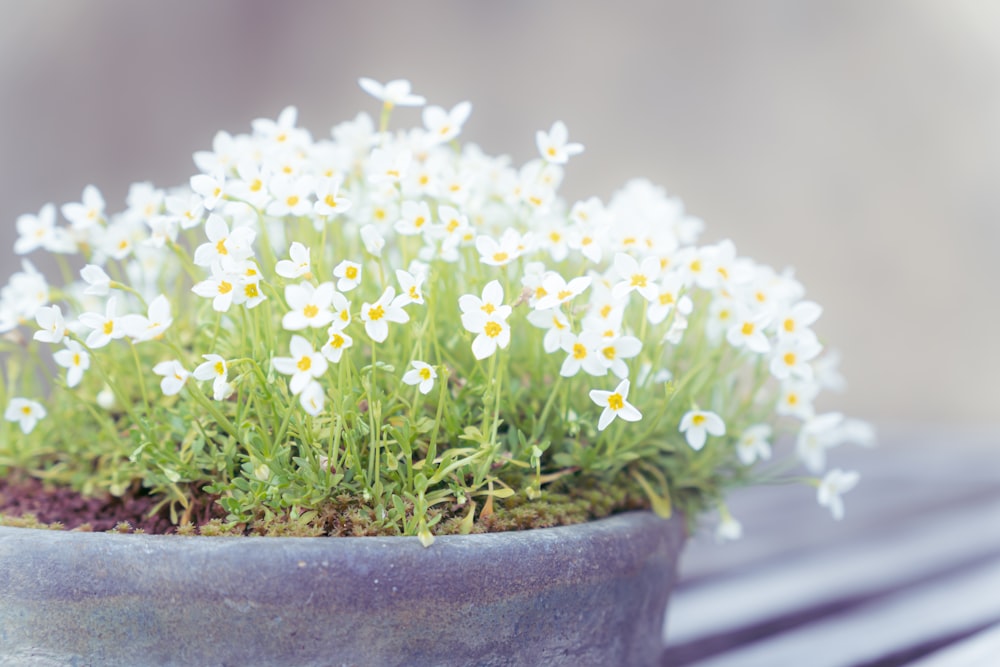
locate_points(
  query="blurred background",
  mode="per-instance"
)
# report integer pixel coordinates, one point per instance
(858, 142)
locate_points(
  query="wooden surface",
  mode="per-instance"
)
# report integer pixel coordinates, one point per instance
(911, 576)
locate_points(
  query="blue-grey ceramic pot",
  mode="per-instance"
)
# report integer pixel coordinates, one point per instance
(593, 594)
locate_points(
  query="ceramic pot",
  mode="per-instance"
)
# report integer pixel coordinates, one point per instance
(592, 594)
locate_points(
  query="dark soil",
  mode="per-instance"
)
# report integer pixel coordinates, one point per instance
(24, 496)
(27, 502)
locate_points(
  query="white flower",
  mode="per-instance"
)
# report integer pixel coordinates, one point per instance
(296, 267)
(796, 399)
(614, 350)
(305, 364)
(615, 405)
(187, 209)
(558, 291)
(75, 360)
(312, 398)
(310, 306)
(349, 274)
(377, 316)
(445, 125)
(372, 239)
(753, 444)
(106, 398)
(156, 321)
(476, 310)
(698, 424)
(25, 412)
(236, 245)
(791, 357)
(292, 196)
(493, 332)
(422, 374)
(501, 253)
(394, 93)
(87, 214)
(211, 188)
(40, 231)
(836, 483)
(409, 287)
(173, 374)
(558, 333)
(818, 434)
(729, 529)
(635, 276)
(797, 318)
(582, 352)
(98, 282)
(53, 326)
(341, 312)
(215, 368)
(552, 144)
(747, 331)
(220, 288)
(336, 343)
(328, 199)
(416, 216)
(109, 326)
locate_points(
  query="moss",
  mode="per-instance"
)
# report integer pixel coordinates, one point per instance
(28, 520)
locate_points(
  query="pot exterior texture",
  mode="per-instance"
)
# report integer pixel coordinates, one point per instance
(593, 594)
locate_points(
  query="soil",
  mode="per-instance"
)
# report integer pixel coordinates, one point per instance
(20, 497)
(28, 502)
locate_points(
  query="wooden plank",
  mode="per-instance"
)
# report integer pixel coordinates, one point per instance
(980, 650)
(880, 628)
(902, 555)
(912, 474)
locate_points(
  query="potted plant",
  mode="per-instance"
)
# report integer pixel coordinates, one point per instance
(388, 334)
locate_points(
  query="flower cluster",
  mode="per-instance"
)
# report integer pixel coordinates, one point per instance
(402, 317)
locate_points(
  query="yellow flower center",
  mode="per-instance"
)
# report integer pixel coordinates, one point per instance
(698, 420)
(26, 410)
(500, 257)
(492, 329)
(225, 287)
(376, 313)
(747, 328)
(310, 311)
(419, 222)
(579, 351)
(109, 326)
(789, 358)
(292, 200)
(336, 341)
(638, 280)
(488, 308)
(330, 201)
(425, 373)
(256, 185)
(616, 402)
(609, 352)
(304, 364)
(789, 325)
(564, 294)
(220, 368)
(220, 247)
(666, 299)
(251, 290)
(351, 273)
